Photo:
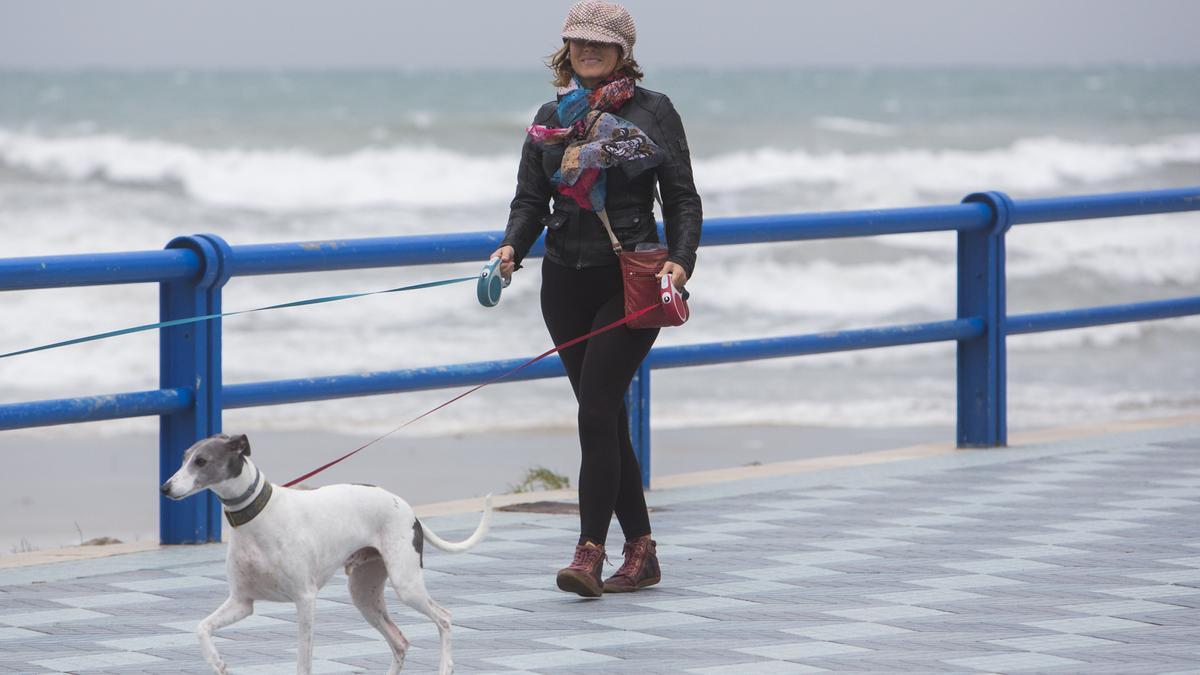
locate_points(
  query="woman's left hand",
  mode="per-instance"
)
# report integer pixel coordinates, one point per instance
(678, 276)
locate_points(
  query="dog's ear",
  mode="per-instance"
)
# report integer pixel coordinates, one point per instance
(240, 444)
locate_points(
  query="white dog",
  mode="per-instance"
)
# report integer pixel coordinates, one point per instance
(285, 544)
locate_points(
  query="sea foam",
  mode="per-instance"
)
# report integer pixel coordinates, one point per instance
(430, 176)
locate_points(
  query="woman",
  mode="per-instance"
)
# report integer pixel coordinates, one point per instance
(581, 280)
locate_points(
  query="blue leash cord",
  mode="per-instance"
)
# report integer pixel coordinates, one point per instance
(206, 317)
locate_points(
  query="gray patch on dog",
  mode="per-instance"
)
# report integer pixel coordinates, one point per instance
(239, 444)
(213, 460)
(419, 541)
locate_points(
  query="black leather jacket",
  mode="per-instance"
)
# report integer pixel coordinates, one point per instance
(576, 237)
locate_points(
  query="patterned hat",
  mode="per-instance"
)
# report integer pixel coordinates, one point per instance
(598, 21)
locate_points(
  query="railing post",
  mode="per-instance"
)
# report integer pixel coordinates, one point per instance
(982, 368)
(190, 358)
(637, 402)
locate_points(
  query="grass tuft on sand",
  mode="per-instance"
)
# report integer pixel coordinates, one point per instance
(540, 478)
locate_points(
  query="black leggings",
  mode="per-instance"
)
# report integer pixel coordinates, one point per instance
(575, 302)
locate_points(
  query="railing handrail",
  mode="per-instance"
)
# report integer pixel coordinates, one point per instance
(33, 272)
(193, 270)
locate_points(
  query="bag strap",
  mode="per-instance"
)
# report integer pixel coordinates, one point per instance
(612, 237)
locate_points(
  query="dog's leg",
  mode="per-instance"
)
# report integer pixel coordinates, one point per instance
(412, 593)
(366, 581)
(305, 608)
(230, 611)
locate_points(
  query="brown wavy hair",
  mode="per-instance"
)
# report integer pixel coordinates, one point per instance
(560, 63)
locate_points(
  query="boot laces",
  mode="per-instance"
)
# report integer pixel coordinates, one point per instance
(634, 554)
(585, 556)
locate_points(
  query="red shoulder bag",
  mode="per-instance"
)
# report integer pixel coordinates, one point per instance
(642, 288)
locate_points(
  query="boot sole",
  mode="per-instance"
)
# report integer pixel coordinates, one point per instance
(579, 585)
(646, 583)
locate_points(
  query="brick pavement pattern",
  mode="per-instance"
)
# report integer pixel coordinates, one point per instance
(1079, 556)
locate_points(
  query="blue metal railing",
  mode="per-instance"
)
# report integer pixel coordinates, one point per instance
(193, 269)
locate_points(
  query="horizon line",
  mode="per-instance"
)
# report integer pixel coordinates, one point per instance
(1147, 64)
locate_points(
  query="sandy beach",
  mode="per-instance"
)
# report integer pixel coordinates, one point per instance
(60, 491)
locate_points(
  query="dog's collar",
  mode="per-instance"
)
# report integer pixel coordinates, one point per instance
(243, 516)
(245, 495)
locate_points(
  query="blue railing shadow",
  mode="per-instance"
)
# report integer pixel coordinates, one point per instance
(192, 271)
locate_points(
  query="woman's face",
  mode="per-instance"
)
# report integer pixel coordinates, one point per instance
(593, 62)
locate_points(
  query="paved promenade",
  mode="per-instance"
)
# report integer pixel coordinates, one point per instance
(1072, 556)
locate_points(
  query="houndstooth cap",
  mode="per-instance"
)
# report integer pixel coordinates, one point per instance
(599, 21)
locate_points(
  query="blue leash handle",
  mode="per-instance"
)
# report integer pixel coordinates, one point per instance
(207, 317)
(491, 282)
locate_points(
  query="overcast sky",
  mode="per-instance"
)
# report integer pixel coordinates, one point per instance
(516, 33)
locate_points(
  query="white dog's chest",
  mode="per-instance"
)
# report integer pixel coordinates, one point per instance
(261, 576)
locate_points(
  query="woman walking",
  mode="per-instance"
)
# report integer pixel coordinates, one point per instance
(593, 166)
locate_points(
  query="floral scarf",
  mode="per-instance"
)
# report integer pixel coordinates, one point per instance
(595, 140)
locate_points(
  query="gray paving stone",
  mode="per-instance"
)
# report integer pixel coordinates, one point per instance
(98, 661)
(109, 599)
(962, 581)
(1013, 662)
(886, 613)
(784, 572)
(1052, 643)
(1190, 576)
(1046, 551)
(769, 514)
(857, 543)
(846, 631)
(932, 596)
(758, 667)
(1121, 607)
(551, 660)
(999, 566)
(1089, 625)
(598, 639)
(823, 557)
(932, 521)
(51, 616)
(288, 667)
(1066, 538)
(801, 650)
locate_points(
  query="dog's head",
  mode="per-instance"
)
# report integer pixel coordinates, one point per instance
(208, 462)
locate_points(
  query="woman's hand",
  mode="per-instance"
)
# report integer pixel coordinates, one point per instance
(678, 276)
(507, 266)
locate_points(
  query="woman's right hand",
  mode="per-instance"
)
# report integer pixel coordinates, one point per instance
(506, 255)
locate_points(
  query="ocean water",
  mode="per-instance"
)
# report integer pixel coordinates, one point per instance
(113, 161)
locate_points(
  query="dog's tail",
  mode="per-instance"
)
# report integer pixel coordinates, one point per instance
(469, 542)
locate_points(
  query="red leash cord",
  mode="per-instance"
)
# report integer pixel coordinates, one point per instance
(620, 322)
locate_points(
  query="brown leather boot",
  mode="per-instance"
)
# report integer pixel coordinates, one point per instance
(639, 570)
(582, 576)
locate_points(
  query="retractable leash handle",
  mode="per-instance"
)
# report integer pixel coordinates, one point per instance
(491, 282)
(673, 304)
